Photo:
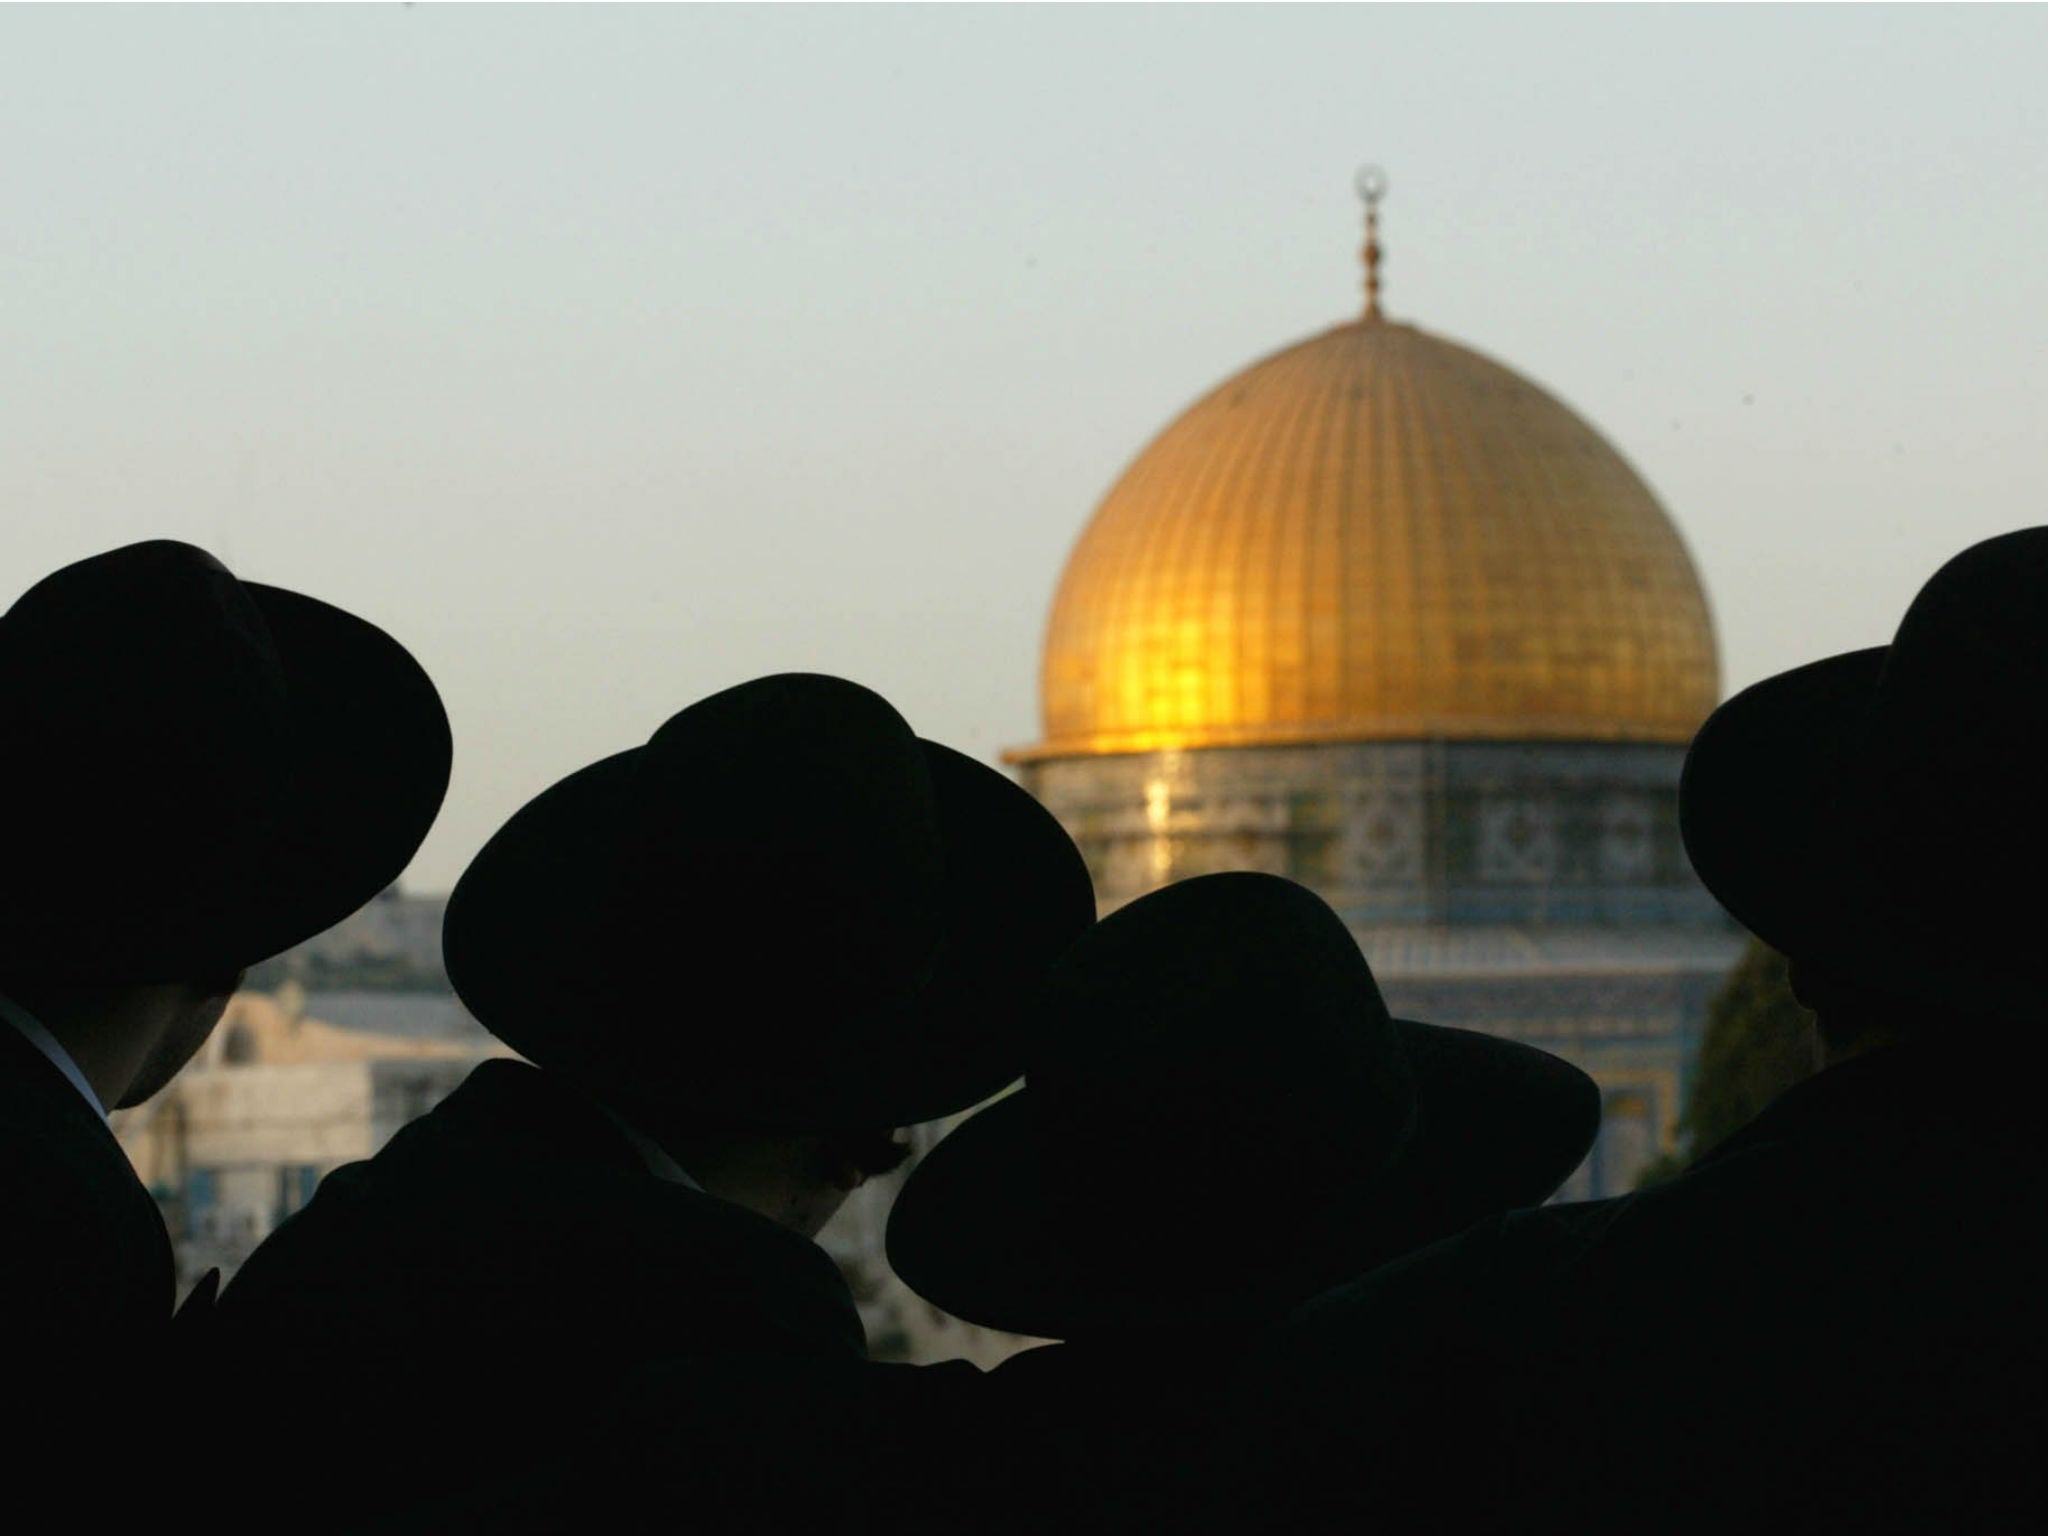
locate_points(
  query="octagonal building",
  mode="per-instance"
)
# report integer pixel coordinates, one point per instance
(1382, 615)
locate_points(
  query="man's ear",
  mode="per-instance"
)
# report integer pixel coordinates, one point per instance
(845, 1176)
(835, 1167)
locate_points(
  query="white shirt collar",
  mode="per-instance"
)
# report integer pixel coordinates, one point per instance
(652, 1153)
(37, 1035)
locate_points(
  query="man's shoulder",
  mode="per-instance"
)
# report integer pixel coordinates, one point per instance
(1502, 1253)
(505, 1145)
(514, 1198)
(513, 1151)
(1865, 1158)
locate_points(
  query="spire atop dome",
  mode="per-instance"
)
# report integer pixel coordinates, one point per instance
(1371, 183)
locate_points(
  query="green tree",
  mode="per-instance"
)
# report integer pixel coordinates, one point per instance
(1758, 1043)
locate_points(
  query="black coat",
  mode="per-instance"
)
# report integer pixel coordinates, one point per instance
(1108, 1434)
(1834, 1320)
(87, 1282)
(88, 1256)
(504, 1319)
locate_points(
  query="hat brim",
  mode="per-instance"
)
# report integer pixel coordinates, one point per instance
(1755, 795)
(1500, 1125)
(525, 939)
(371, 759)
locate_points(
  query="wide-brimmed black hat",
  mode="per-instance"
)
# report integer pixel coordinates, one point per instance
(197, 772)
(1883, 811)
(785, 911)
(1220, 1119)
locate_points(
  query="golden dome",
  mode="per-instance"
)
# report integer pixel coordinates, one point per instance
(1376, 534)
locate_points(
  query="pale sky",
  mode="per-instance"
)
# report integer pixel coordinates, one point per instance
(608, 357)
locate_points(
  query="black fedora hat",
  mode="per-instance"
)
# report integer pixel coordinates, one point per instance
(1216, 1060)
(1882, 810)
(785, 911)
(198, 772)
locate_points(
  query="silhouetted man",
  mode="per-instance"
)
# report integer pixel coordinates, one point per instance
(583, 1292)
(1832, 1321)
(1221, 1120)
(198, 772)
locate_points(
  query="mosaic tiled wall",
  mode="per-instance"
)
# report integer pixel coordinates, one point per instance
(1397, 832)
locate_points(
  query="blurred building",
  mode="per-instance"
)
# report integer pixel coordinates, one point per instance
(1380, 614)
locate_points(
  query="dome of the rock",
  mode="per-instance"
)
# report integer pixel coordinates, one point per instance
(1382, 616)
(1376, 534)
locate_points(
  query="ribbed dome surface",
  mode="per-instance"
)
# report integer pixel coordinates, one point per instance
(1376, 534)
